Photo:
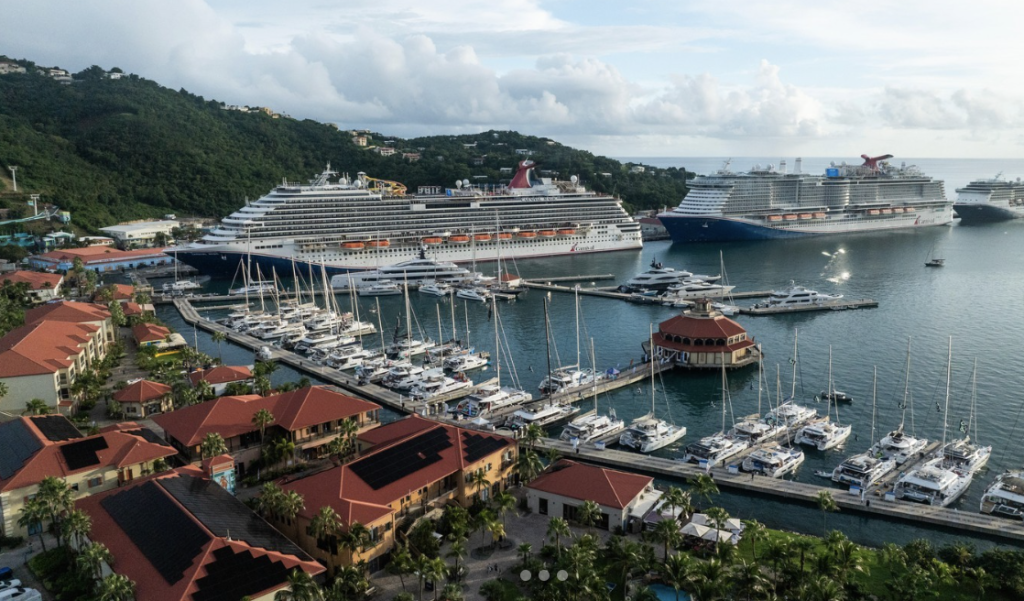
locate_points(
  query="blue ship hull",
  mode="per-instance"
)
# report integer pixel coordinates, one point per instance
(975, 213)
(718, 229)
(226, 264)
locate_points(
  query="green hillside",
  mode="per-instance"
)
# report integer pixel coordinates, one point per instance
(109, 150)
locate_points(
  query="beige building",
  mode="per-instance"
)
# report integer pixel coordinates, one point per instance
(42, 287)
(49, 445)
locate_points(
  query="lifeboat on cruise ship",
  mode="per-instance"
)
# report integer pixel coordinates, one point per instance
(897, 210)
(379, 243)
(504, 236)
(433, 241)
(482, 237)
(527, 234)
(819, 215)
(910, 210)
(789, 217)
(774, 218)
(805, 215)
(353, 245)
(547, 233)
(873, 212)
(460, 238)
(886, 211)
(567, 232)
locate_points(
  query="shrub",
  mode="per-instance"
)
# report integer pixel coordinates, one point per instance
(50, 563)
(404, 597)
(500, 590)
(10, 542)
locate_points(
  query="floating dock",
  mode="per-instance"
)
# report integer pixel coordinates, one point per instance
(836, 305)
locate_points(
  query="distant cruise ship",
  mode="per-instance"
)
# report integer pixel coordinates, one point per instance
(347, 226)
(990, 200)
(771, 203)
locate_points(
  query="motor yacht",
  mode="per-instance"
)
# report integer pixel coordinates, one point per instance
(480, 295)
(566, 379)
(715, 449)
(694, 290)
(659, 278)
(1005, 496)
(649, 433)
(402, 376)
(433, 383)
(932, 484)
(863, 470)
(797, 296)
(414, 272)
(490, 398)
(774, 461)
(382, 288)
(593, 427)
(547, 415)
(464, 363)
(823, 434)
(436, 289)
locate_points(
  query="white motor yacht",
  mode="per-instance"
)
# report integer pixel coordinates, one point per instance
(1005, 496)
(755, 430)
(436, 289)
(714, 449)
(357, 328)
(350, 357)
(933, 484)
(181, 286)
(659, 278)
(402, 376)
(694, 290)
(965, 456)
(464, 363)
(547, 415)
(490, 398)
(404, 348)
(790, 415)
(414, 272)
(382, 288)
(319, 340)
(593, 427)
(649, 433)
(823, 434)
(433, 382)
(863, 470)
(480, 295)
(797, 296)
(774, 461)
(566, 379)
(374, 370)
(898, 446)
(254, 287)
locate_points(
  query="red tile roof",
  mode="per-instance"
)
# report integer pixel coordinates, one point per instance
(124, 448)
(148, 332)
(606, 487)
(142, 391)
(118, 292)
(42, 348)
(695, 325)
(101, 254)
(231, 416)
(343, 490)
(396, 430)
(150, 584)
(34, 279)
(67, 311)
(131, 309)
(222, 374)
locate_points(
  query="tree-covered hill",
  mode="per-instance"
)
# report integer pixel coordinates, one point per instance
(115, 149)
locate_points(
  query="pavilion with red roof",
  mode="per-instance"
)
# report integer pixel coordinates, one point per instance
(703, 338)
(144, 398)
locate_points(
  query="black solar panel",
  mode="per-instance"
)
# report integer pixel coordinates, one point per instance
(83, 453)
(233, 575)
(56, 428)
(383, 468)
(225, 516)
(164, 533)
(477, 446)
(148, 435)
(17, 444)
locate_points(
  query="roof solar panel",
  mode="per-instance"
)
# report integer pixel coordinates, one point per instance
(17, 444)
(392, 464)
(235, 575)
(165, 534)
(83, 453)
(56, 428)
(226, 516)
(477, 446)
(148, 435)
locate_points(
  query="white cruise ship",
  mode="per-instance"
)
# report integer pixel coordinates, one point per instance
(347, 226)
(992, 199)
(768, 203)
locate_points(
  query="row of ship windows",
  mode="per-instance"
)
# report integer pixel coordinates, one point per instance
(378, 251)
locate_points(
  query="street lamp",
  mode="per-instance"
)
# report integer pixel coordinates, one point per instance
(14, 175)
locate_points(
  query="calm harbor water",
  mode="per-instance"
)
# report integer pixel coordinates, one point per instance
(977, 299)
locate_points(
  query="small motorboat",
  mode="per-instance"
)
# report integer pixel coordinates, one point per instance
(935, 263)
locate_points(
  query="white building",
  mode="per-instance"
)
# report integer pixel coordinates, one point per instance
(141, 234)
(624, 498)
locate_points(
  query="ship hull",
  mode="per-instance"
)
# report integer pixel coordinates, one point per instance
(986, 213)
(687, 228)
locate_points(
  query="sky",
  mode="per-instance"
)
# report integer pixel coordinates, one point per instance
(644, 78)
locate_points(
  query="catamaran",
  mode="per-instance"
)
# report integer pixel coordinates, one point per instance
(717, 448)
(647, 433)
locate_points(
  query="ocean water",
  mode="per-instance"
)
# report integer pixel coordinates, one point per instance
(977, 300)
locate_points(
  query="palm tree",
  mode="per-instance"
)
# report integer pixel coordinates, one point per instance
(827, 504)
(324, 525)
(708, 579)
(588, 513)
(458, 550)
(291, 504)
(504, 502)
(92, 557)
(676, 571)
(704, 486)
(532, 435)
(301, 587)
(219, 337)
(4, 391)
(269, 501)
(528, 465)
(213, 445)
(204, 391)
(36, 407)
(33, 512)
(436, 569)
(349, 429)
(893, 555)
(261, 419)
(524, 550)
(677, 498)
(806, 544)
(777, 551)
(717, 517)
(116, 587)
(479, 480)
(349, 583)
(748, 580)
(401, 562)
(627, 557)
(847, 559)
(422, 566)
(74, 527)
(265, 368)
(452, 592)
(754, 532)
(822, 589)
(497, 530)
(557, 528)
(58, 499)
(356, 538)
(667, 533)
(282, 449)
(262, 385)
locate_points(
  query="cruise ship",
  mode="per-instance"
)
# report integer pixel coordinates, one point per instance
(360, 224)
(768, 203)
(994, 199)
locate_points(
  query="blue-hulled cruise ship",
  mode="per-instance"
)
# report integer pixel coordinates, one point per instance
(768, 202)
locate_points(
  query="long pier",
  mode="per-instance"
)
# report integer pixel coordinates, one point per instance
(836, 305)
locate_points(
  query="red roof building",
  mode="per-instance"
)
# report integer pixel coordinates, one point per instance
(560, 490)
(221, 375)
(703, 338)
(41, 286)
(148, 333)
(181, 537)
(49, 445)
(310, 417)
(144, 398)
(100, 258)
(117, 291)
(419, 464)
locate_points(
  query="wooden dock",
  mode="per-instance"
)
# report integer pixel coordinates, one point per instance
(613, 292)
(807, 493)
(837, 305)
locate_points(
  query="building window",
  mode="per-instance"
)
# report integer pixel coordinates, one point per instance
(94, 482)
(543, 507)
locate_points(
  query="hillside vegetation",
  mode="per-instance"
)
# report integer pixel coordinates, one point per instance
(110, 150)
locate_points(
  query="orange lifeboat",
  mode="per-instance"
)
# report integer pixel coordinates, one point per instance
(567, 232)
(460, 238)
(482, 237)
(504, 236)
(897, 210)
(547, 233)
(805, 215)
(352, 245)
(886, 211)
(910, 210)
(873, 212)
(527, 234)
(432, 240)
(379, 243)
(775, 218)
(790, 217)
(819, 215)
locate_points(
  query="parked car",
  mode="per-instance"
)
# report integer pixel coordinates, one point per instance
(6, 573)
(6, 584)
(21, 594)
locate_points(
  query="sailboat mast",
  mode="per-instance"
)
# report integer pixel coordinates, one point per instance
(652, 368)
(593, 364)
(455, 335)
(380, 324)
(874, 391)
(723, 393)
(974, 398)
(440, 333)
(945, 412)
(760, 376)
(576, 293)
(547, 343)
(796, 337)
(465, 310)
(906, 393)
(408, 315)
(497, 349)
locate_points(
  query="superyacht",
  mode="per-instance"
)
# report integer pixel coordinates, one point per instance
(356, 225)
(768, 203)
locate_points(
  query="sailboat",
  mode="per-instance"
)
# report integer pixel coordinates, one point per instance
(714, 449)
(405, 345)
(788, 413)
(648, 433)
(566, 378)
(728, 306)
(754, 428)
(864, 469)
(592, 426)
(180, 286)
(898, 444)
(824, 434)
